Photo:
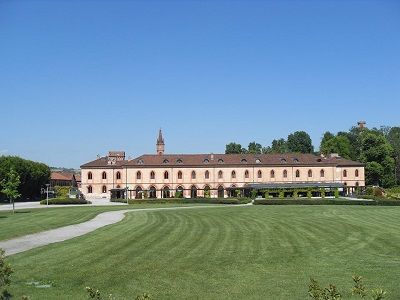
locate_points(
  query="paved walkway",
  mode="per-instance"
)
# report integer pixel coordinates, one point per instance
(31, 241)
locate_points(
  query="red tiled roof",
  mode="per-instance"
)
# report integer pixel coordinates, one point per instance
(200, 160)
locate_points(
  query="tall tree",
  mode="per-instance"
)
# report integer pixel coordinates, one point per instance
(233, 148)
(393, 137)
(299, 142)
(375, 148)
(337, 144)
(10, 186)
(254, 148)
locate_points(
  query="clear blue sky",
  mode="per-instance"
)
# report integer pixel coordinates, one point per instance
(80, 78)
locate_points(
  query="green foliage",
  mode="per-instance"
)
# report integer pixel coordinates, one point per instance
(254, 148)
(33, 175)
(299, 142)
(62, 191)
(233, 148)
(64, 201)
(337, 144)
(315, 292)
(5, 274)
(95, 294)
(359, 288)
(369, 190)
(10, 186)
(207, 194)
(187, 200)
(325, 201)
(178, 194)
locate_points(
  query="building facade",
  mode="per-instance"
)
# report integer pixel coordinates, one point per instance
(213, 175)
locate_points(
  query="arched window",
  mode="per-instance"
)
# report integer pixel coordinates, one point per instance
(220, 192)
(166, 193)
(272, 174)
(344, 173)
(193, 175)
(322, 173)
(309, 173)
(246, 174)
(220, 174)
(297, 173)
(166, 175)
(138, 175)
(104, 175)
(90, 175)
(152, 175)
(233, 174)
(207, 191)
(153, 192)
(193, 192)
(104, 189)
(207, 175)
(357, 184)
(89, 189)
(180, 190)
(118, 175)
(356, 172)
(179, 175)
(259, 174)
(284, 174)
(139, 193)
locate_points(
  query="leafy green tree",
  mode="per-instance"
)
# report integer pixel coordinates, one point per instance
(33, 175)
(233, 148)
(337, 144)
(375, 148)
(393, 137)
(10, 186)
(299, 142)
(277, 147)
(254, 148)
(373, 173)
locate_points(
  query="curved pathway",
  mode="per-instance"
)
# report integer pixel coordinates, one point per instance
(35, 240)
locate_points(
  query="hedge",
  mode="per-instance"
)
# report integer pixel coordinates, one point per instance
(185, 200)
(385, 202)
(64, 201)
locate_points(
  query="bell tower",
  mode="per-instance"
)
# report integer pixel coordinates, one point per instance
(160, 144)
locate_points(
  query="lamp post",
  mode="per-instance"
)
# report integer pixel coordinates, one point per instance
(47, 193)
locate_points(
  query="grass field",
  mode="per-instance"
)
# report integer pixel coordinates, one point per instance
(247, 252)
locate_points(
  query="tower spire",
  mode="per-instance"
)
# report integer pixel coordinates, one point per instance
(160, 143)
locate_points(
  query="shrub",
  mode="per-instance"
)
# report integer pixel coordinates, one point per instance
(64, 201)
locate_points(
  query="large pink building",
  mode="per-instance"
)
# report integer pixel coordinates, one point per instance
(214, 175)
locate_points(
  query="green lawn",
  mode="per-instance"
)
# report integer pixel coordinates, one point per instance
(247, 252)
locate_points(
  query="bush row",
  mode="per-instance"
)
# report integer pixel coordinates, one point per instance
(185, 200)
(384, 202)
(62, 201)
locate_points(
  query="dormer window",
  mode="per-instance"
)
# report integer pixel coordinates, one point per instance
(295, 160)
(257, 160)
(165, 161)
(179, 161)
(140, 161)
(206, 161)
(243, 160)
(283, 160)
(220, 161)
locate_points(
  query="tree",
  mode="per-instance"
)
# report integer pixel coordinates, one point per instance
(376, 149)
(337, 144)
(10, 186)
(393, 137)
(33, 175)
(254, 148)
(299, 142)
(373, 173)
(233, 148)
(277, 147)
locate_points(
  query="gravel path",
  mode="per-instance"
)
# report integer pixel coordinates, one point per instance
(31, 241)
(35, 240)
